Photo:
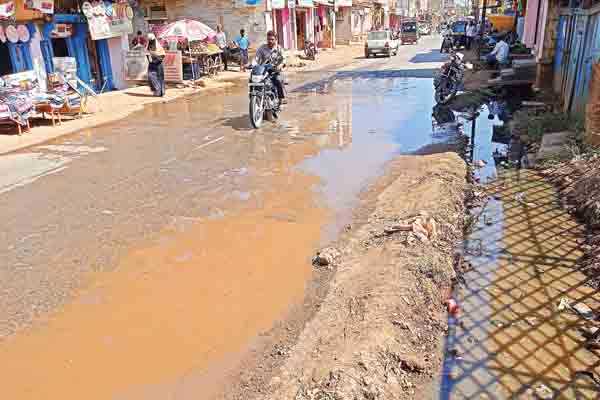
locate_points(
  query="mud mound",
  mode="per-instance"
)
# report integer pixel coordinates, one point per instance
(579, 184)
(377, 334)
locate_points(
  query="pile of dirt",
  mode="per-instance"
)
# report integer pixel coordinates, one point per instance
(578, 182)
(377, 334)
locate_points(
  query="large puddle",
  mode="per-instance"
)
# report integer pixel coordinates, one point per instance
(511, 338)
(229, 218)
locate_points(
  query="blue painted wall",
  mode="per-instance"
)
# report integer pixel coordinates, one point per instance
(77, 46)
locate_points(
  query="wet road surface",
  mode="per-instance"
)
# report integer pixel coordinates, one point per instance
(146, 250)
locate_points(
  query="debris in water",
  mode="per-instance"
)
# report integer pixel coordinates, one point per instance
(583, 310)
(497, 323)
(543, 392)
(488, 220)
(453, 307)
(563, 304)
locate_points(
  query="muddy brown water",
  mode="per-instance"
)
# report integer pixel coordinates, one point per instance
(510, 340)
(229, 219)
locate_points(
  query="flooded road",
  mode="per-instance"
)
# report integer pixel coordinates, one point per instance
(141, 254)
(511, 338)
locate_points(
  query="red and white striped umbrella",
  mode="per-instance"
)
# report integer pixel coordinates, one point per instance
(186, 29)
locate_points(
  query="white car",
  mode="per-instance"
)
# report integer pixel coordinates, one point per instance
(381, 42)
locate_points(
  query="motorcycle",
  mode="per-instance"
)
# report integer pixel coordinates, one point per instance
(448, 81)
(310, 50)
(447, 44)
(264, 102)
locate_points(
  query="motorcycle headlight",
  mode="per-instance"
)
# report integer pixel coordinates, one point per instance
(256, 78)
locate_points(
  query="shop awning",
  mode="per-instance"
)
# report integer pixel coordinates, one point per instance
(324, 2)
(343, 3)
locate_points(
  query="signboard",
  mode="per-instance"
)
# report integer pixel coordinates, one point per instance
(108, 20)
(45, 6)
(11, 34)
(291, 3)
(7, 10)
(136, 65)
(343, 3)
(62, 31)
(277, 4)
(173, 65)
(23, 33)
(306, 3)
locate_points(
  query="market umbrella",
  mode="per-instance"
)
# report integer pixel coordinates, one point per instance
(186, 29)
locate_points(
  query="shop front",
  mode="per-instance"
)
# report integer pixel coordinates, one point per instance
(343, 23)
(325, 24)
(305, 23)
(95, 39)
(283, 22)
(16, 32)
(361, 22)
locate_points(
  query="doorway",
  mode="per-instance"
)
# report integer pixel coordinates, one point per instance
(5, 63)
(59, 47)
(96, 80)
(279, 27)
(300, 28)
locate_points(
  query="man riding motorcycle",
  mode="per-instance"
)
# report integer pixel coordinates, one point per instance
(270, 53)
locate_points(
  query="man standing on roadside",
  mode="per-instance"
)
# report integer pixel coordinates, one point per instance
(243, 44)
(499, 55)
(221, 42)
(471, 33)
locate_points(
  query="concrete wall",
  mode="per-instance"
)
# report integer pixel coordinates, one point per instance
(343, 25)
(213, 12)
(117, 47)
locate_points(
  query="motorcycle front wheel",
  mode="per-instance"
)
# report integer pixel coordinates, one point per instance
(256, 111)
(444, 96)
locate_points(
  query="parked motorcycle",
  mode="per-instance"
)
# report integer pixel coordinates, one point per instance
(310, 50)
(264, 102)
(449, 80)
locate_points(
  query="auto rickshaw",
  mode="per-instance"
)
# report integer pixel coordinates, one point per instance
(409, 32)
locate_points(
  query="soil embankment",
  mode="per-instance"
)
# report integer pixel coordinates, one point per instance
(377, 334)
(578, 182)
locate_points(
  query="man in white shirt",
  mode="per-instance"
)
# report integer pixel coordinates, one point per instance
(500, 53)
(221, 42)
(471, 33)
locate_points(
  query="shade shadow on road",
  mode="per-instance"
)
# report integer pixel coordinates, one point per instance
(323, 85)
(511, 339)
(434, 55)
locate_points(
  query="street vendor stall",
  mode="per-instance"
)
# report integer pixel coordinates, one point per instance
(207, 56)
(16, 99)
(191, 37)
(22, 98)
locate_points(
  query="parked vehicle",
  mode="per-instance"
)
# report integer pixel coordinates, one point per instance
(409, 32)
(449, 79)
(381, 42)
(310, 50)
(264, 102)
(459, 33)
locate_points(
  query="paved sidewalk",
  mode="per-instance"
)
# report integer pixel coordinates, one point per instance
(112, 106)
